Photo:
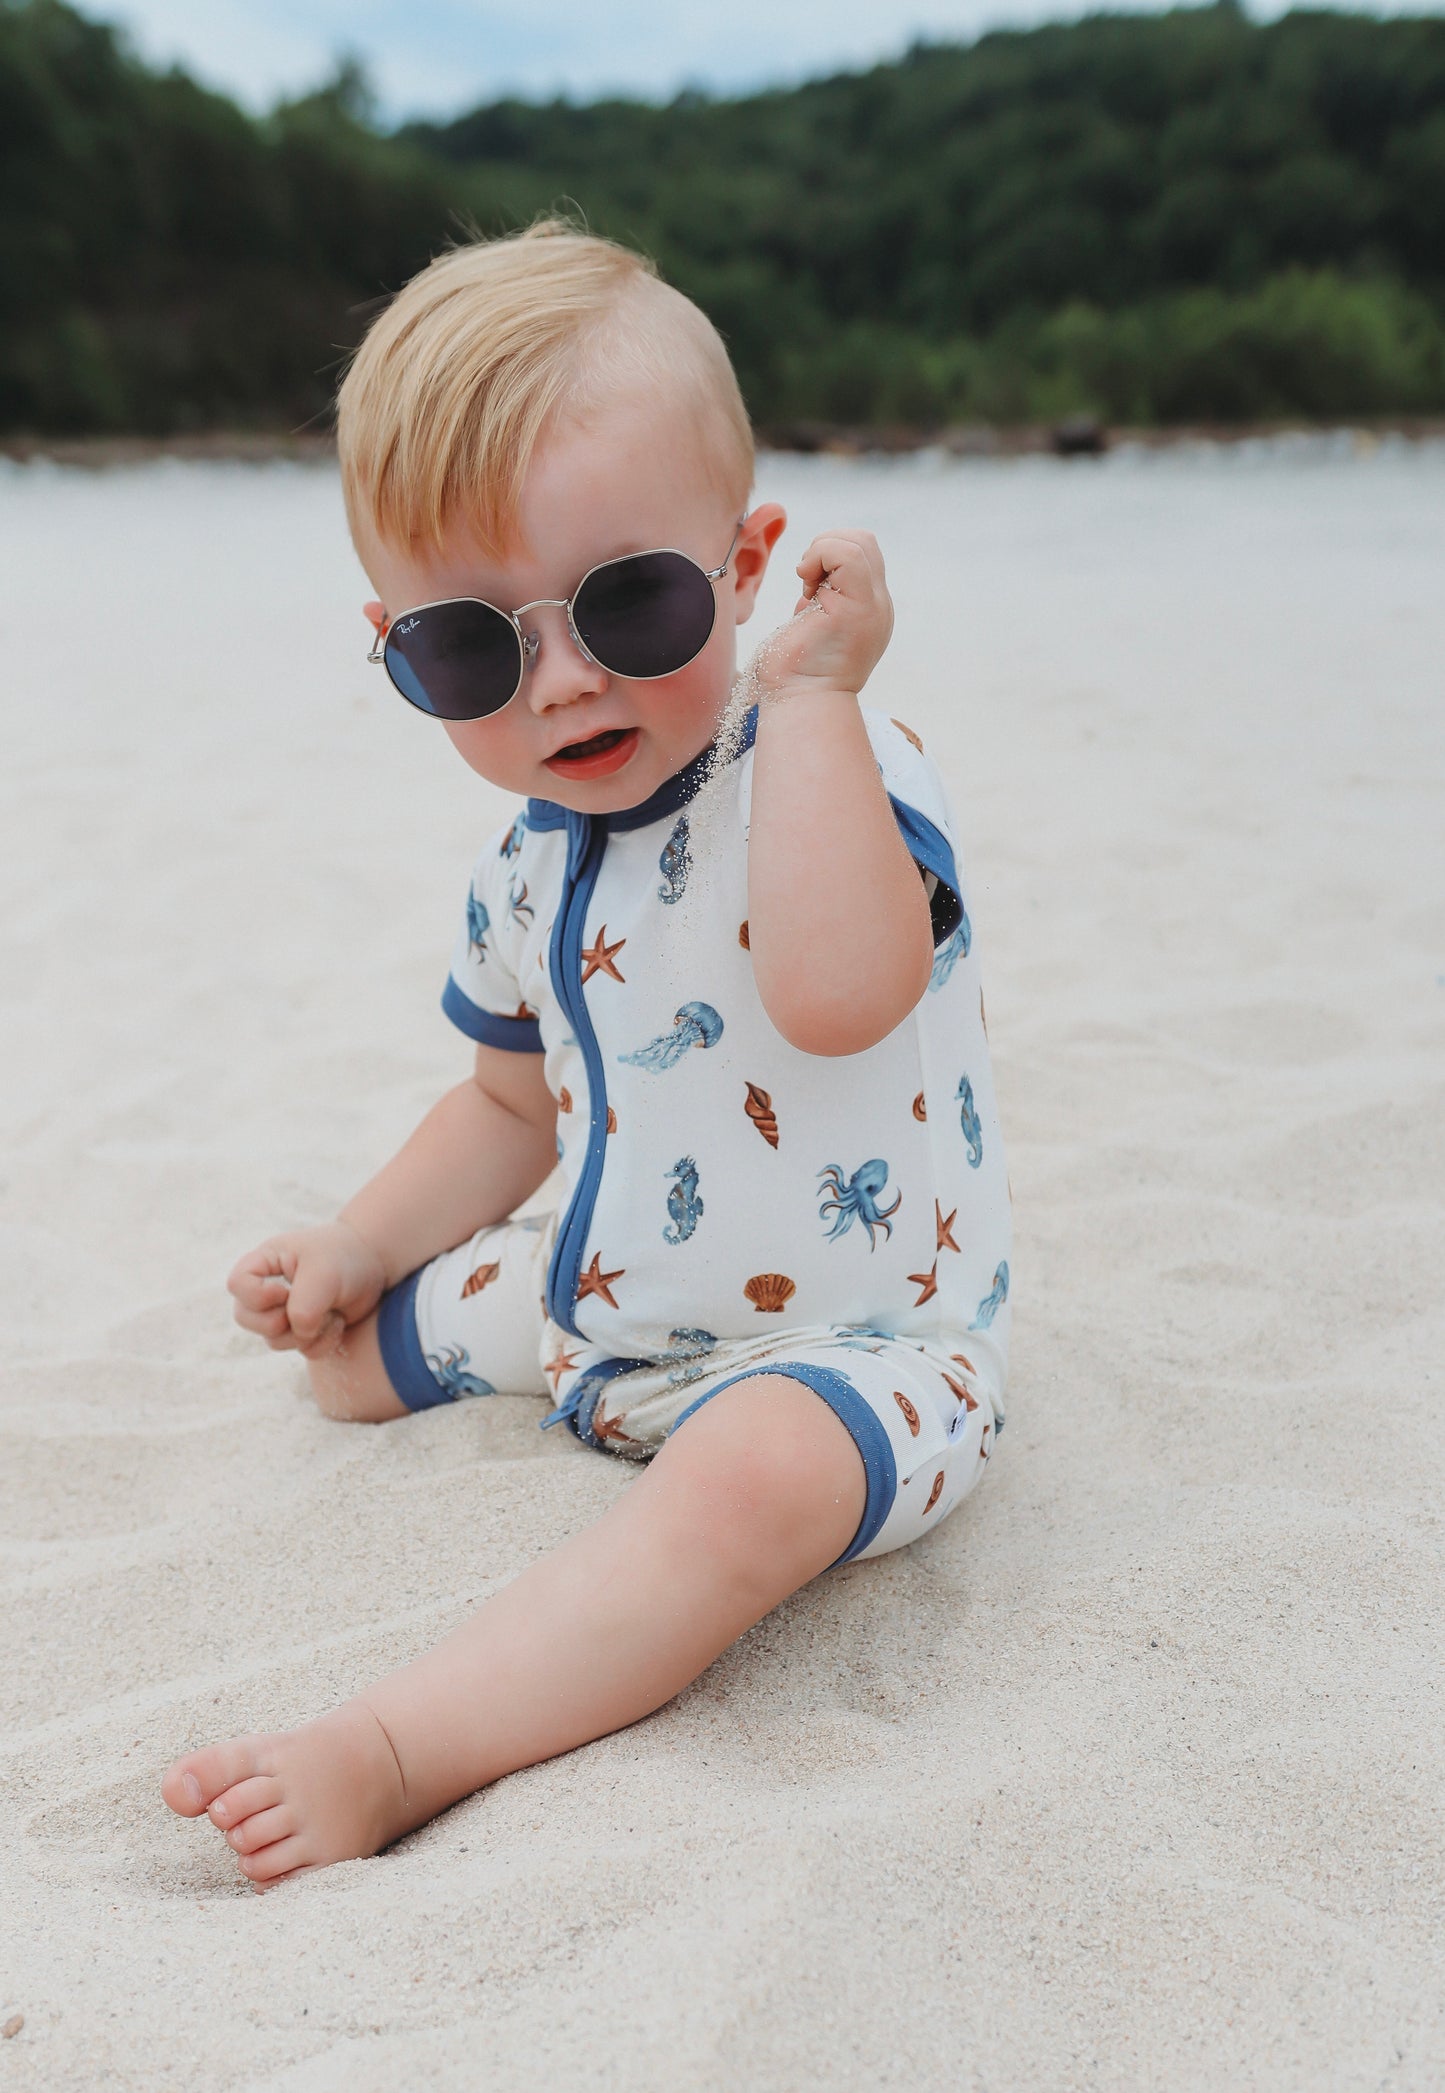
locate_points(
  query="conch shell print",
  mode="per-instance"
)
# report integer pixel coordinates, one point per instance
(759, 1107)
(920, 1106)
(770, 1292)
(909, 735)
(695, 1025)
(910, 1415)
(564, 1099)
(935, 1493)
(743, 939)
(483, 1276)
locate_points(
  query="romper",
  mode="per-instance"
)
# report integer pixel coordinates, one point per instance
(731, 1204)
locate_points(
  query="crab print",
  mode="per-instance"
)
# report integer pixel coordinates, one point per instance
(449, 1367)
(856, 1199)
(683, 1203)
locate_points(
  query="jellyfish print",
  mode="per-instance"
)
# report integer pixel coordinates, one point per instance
(969, 1121)
(683, 1203)
(479, 923)
(993, 1300)
(674, 864)
(450, 1367)
(695, 1025)
(946, 958)
(856, 1199)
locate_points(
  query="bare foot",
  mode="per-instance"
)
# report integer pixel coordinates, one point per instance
(329, 1791)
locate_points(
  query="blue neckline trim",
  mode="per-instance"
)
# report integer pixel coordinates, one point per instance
(674, 792)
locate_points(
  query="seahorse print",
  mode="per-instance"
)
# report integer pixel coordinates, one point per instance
(856, 1199)
(685, 1348)
(674, 864)
(479, 923)
(993, 1300)
(695, 1025)
(450, 1365)
(683, 1203)
(759, 1107)
(969, 1121)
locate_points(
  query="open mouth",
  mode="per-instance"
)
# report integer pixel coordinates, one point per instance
(595, 756)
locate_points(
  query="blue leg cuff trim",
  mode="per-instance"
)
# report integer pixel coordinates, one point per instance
(401, 1353)
(869, 1436)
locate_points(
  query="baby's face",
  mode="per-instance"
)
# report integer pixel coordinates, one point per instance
(628, 481)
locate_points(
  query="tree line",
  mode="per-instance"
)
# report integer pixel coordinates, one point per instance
(1181, 217)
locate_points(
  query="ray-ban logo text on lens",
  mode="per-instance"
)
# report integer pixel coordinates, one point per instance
(408, 625)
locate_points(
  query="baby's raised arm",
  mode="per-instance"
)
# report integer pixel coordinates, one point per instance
(481, 1150)
(838, 917)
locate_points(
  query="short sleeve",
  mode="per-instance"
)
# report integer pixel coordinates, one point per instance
(483, 995)
(924, 818)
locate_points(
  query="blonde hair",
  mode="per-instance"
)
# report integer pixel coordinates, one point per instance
(456, 382)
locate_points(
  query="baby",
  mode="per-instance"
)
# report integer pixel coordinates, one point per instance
(719, 969)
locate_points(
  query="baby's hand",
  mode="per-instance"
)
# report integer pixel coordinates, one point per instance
(301, 1291)
(841, 623)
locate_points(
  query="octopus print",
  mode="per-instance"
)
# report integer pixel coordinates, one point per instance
(450, 1365)
(969, 1121)
(993, 1300)
(857, 1199)
(674, 864)
(683, 1351)
(695, 1025)
(946, 958)
(683, 1203)
(759, 1107)
(478, 924)
(518, 903)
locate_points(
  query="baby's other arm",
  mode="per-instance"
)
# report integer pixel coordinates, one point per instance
(481, 1150)
(838, 919)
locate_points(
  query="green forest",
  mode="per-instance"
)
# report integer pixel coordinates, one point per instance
(1188, 217)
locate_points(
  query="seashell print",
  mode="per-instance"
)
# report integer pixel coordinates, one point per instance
(909, 735)
(983, 1445)
(769, 1292)
(910, 1415)
(564, 1099)
(759, 1107)
(611, 1120)
(483, 1276)
(935, 1493)
(920, 1106)
(743, 935)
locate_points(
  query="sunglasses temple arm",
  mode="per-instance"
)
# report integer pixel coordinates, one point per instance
(377, 653)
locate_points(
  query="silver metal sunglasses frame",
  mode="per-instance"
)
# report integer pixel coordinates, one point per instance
(530, 642)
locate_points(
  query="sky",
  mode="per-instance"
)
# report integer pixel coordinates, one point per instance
(437, 57)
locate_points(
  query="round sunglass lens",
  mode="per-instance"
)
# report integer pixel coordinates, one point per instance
(459, 660)
(646, 616)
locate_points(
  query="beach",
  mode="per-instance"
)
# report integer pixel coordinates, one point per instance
(1131, 1775)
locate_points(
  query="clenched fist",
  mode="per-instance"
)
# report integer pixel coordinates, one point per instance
(840, 624)
(302, 1291)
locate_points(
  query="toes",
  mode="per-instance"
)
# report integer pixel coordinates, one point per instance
(234, 1805)
(262, 1829)
(193, 1783)
(281, 1857)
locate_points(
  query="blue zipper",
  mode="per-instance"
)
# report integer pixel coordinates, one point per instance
(586, 844)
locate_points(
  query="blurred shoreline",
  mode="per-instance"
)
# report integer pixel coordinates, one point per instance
(1076, 436)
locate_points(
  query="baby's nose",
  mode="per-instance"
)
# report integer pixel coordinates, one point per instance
(558, 671)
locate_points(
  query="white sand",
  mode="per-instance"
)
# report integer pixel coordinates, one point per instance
(1130, 1776)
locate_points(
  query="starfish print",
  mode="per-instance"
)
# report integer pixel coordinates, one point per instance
(945, 1228)
(609, 1431)
(598, 958)
(595, 1281)
(562, 1364)
(928, 1281)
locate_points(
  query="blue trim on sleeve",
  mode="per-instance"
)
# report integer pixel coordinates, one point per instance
(929, 847)
(517, 1035)
(867, 1429)
(401, 1353)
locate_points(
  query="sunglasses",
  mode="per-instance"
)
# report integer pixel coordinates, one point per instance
(641, 617)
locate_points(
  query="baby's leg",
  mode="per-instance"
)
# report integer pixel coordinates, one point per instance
(755, 1494)
(352, 1382)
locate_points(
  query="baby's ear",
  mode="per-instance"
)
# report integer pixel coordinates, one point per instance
(375, 614)
(760, 531)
